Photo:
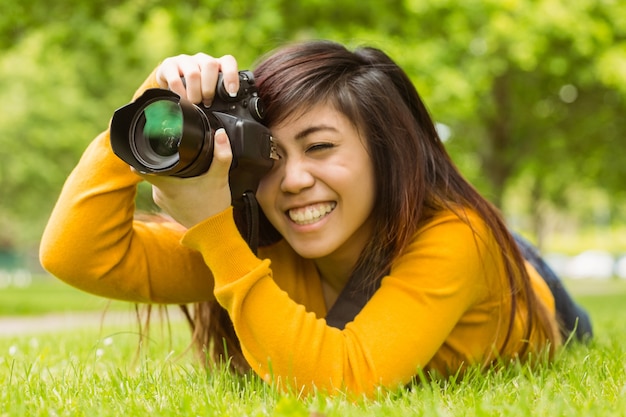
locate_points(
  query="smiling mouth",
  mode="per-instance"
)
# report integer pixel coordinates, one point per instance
(311, 214)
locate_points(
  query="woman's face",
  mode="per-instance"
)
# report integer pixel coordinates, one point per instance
(320, 193)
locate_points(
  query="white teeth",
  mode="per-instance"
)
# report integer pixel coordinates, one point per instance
(311, 214)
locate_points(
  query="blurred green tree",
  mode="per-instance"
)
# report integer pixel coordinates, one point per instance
(533, 91)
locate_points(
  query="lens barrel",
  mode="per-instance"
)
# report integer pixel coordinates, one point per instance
(162, 133)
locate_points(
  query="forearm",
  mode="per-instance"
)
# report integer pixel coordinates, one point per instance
(92, 242)
(89, 228)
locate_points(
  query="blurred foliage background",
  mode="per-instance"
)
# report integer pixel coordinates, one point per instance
(531, 92)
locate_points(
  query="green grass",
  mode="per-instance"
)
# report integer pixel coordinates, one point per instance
(45, 294)
(97, 372)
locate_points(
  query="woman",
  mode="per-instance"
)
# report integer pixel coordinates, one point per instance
(378, 259)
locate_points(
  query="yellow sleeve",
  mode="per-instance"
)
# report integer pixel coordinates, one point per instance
(92, 242)
(401, 328)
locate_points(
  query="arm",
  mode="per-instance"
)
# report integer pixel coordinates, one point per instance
(92, 242)
(441, 276)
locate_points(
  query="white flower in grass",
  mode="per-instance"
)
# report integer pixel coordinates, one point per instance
(99, 352)
(33, 343)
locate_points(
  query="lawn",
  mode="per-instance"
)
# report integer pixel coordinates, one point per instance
(44, 294)
(99, 371)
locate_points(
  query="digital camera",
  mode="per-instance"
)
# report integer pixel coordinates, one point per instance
(162, 133)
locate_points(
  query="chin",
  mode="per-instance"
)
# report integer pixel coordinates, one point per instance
(311, 252)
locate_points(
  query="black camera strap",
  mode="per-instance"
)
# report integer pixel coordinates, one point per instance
(251, 213)
(350, 302)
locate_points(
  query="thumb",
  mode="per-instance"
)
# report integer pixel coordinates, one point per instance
(222, 152)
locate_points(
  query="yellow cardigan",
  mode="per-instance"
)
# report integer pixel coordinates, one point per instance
(444, 305)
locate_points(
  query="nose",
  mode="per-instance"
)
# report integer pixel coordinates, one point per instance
(296, 176)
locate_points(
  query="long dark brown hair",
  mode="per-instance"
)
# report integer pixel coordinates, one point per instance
(415, 176)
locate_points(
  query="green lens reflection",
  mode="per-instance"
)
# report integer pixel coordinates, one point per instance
(164, 127)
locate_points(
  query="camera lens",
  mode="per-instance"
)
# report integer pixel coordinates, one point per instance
(158, 134)
(164, 134)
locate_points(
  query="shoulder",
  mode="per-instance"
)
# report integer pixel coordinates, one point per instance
(457, 231)
(458, 216)
(454, 248)
(451, 265)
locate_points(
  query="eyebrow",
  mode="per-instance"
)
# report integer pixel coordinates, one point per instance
(313, 129)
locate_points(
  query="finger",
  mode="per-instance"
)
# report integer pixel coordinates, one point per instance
(209, 69)
(161, 74)
(169, 73)
(230, 73)
(222, 154)
(190, 69)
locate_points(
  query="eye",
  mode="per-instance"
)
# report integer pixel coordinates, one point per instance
(320, 146)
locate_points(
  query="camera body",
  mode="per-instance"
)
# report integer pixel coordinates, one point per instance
(161, 133)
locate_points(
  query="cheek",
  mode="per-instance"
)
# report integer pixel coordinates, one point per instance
(367, 188)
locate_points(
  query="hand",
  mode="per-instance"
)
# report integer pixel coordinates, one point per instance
(192, 200)
(200, 72)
